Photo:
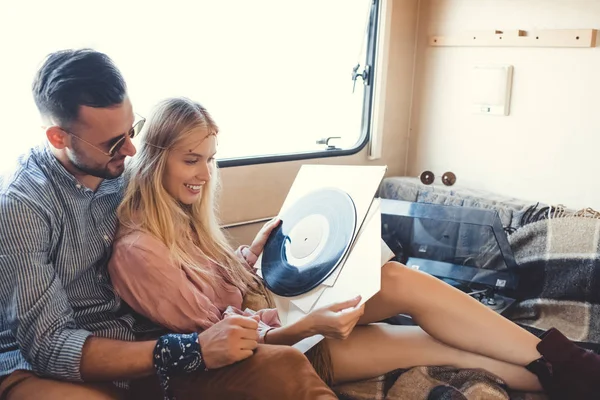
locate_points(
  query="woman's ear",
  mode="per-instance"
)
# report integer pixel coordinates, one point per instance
(57, 137)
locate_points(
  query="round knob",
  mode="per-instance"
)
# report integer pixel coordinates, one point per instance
(427, 177)
(449, 179)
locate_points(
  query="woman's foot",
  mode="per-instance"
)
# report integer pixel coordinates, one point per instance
(565, 370)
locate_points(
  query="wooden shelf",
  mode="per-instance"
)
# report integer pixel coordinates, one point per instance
(520, 38)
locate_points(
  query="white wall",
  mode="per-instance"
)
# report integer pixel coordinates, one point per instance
(547, 148)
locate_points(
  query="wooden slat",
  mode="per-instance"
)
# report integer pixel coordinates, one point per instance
(519, 38)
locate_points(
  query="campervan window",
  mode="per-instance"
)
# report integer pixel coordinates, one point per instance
(276, 75)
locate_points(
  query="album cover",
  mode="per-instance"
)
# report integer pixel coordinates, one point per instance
(328, 246)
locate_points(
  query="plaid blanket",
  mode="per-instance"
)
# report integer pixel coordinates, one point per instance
(559, 259)
(558, 252)
(432, 383)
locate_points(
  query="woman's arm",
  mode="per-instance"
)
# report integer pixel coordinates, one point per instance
(335, 321)
(145, 277)
(288, 335)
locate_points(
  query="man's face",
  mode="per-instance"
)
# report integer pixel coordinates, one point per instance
(96, 131)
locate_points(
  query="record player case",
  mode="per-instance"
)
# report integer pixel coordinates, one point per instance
(464, 246)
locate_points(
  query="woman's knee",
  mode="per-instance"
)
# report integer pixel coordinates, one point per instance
(393, 275)
(393, 270)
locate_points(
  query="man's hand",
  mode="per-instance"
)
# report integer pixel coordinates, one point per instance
(335, 321)
(228, 341)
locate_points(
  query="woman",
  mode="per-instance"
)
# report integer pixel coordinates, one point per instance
(170, 243)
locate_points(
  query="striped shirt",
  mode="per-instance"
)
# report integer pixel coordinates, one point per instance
(55, 291)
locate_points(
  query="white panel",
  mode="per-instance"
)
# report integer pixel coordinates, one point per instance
(491, 89)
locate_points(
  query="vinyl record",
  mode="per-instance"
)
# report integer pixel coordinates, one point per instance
(309, 243)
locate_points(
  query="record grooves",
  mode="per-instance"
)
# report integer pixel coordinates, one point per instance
(309, 243)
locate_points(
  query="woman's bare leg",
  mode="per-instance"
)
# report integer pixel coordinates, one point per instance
(375, 349)
(449, 315)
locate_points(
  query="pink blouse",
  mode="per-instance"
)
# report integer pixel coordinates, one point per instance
(171, 295)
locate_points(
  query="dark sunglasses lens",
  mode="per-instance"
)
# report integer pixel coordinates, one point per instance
(427, 177)
(113, 150)
(133, 132)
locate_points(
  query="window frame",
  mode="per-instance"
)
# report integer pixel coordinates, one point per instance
(365, 136)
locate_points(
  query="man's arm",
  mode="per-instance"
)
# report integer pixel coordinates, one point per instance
(40, 316)
(108, 360)
(226, 342)
(42, 322)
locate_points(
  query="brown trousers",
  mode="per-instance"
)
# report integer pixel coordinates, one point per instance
(273, 372)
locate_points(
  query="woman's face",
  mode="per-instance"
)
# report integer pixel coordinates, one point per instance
(189, 166)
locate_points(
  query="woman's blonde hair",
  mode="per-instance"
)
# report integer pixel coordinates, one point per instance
(148, 207)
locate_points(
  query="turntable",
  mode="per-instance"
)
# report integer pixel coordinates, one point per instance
(466, 247)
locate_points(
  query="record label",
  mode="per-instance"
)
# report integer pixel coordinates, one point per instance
(309, 243)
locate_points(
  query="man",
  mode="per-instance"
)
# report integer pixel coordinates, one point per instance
(64, 333)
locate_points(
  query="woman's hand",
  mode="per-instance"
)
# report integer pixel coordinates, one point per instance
(261, 238)
(335, 321)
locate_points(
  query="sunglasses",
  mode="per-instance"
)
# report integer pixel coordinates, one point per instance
(427, 178)
(132, 133)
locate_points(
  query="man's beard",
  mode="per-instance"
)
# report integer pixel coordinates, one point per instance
(97, 171)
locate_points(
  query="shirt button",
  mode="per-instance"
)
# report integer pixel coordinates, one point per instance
(78, 186)
(106, 238)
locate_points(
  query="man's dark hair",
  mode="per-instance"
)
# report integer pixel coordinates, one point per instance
(69, 79)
